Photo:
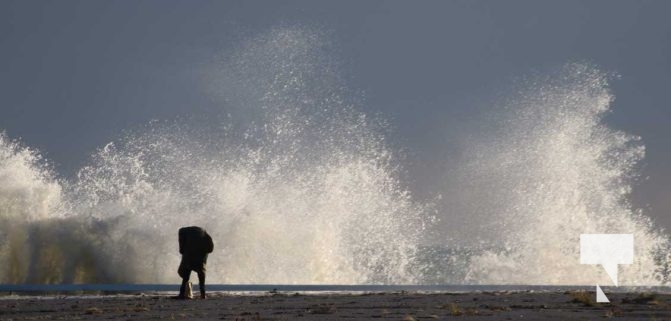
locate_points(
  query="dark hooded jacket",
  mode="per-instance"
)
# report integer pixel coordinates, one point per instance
(194, 242)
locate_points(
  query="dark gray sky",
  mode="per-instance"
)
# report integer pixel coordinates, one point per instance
(74, 74)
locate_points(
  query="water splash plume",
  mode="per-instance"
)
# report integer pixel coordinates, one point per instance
(298, 186)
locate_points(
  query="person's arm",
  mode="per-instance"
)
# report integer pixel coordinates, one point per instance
(210, 245)
(181, 243)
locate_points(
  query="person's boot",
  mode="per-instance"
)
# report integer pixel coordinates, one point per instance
(182, 290)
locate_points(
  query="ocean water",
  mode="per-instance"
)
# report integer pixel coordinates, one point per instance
(47, 291)
(298, 186)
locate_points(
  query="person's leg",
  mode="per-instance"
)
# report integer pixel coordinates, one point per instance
(182, 288)
(201, 282)
(185, 272)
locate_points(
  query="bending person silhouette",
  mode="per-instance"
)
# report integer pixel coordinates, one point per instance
(194, 245)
